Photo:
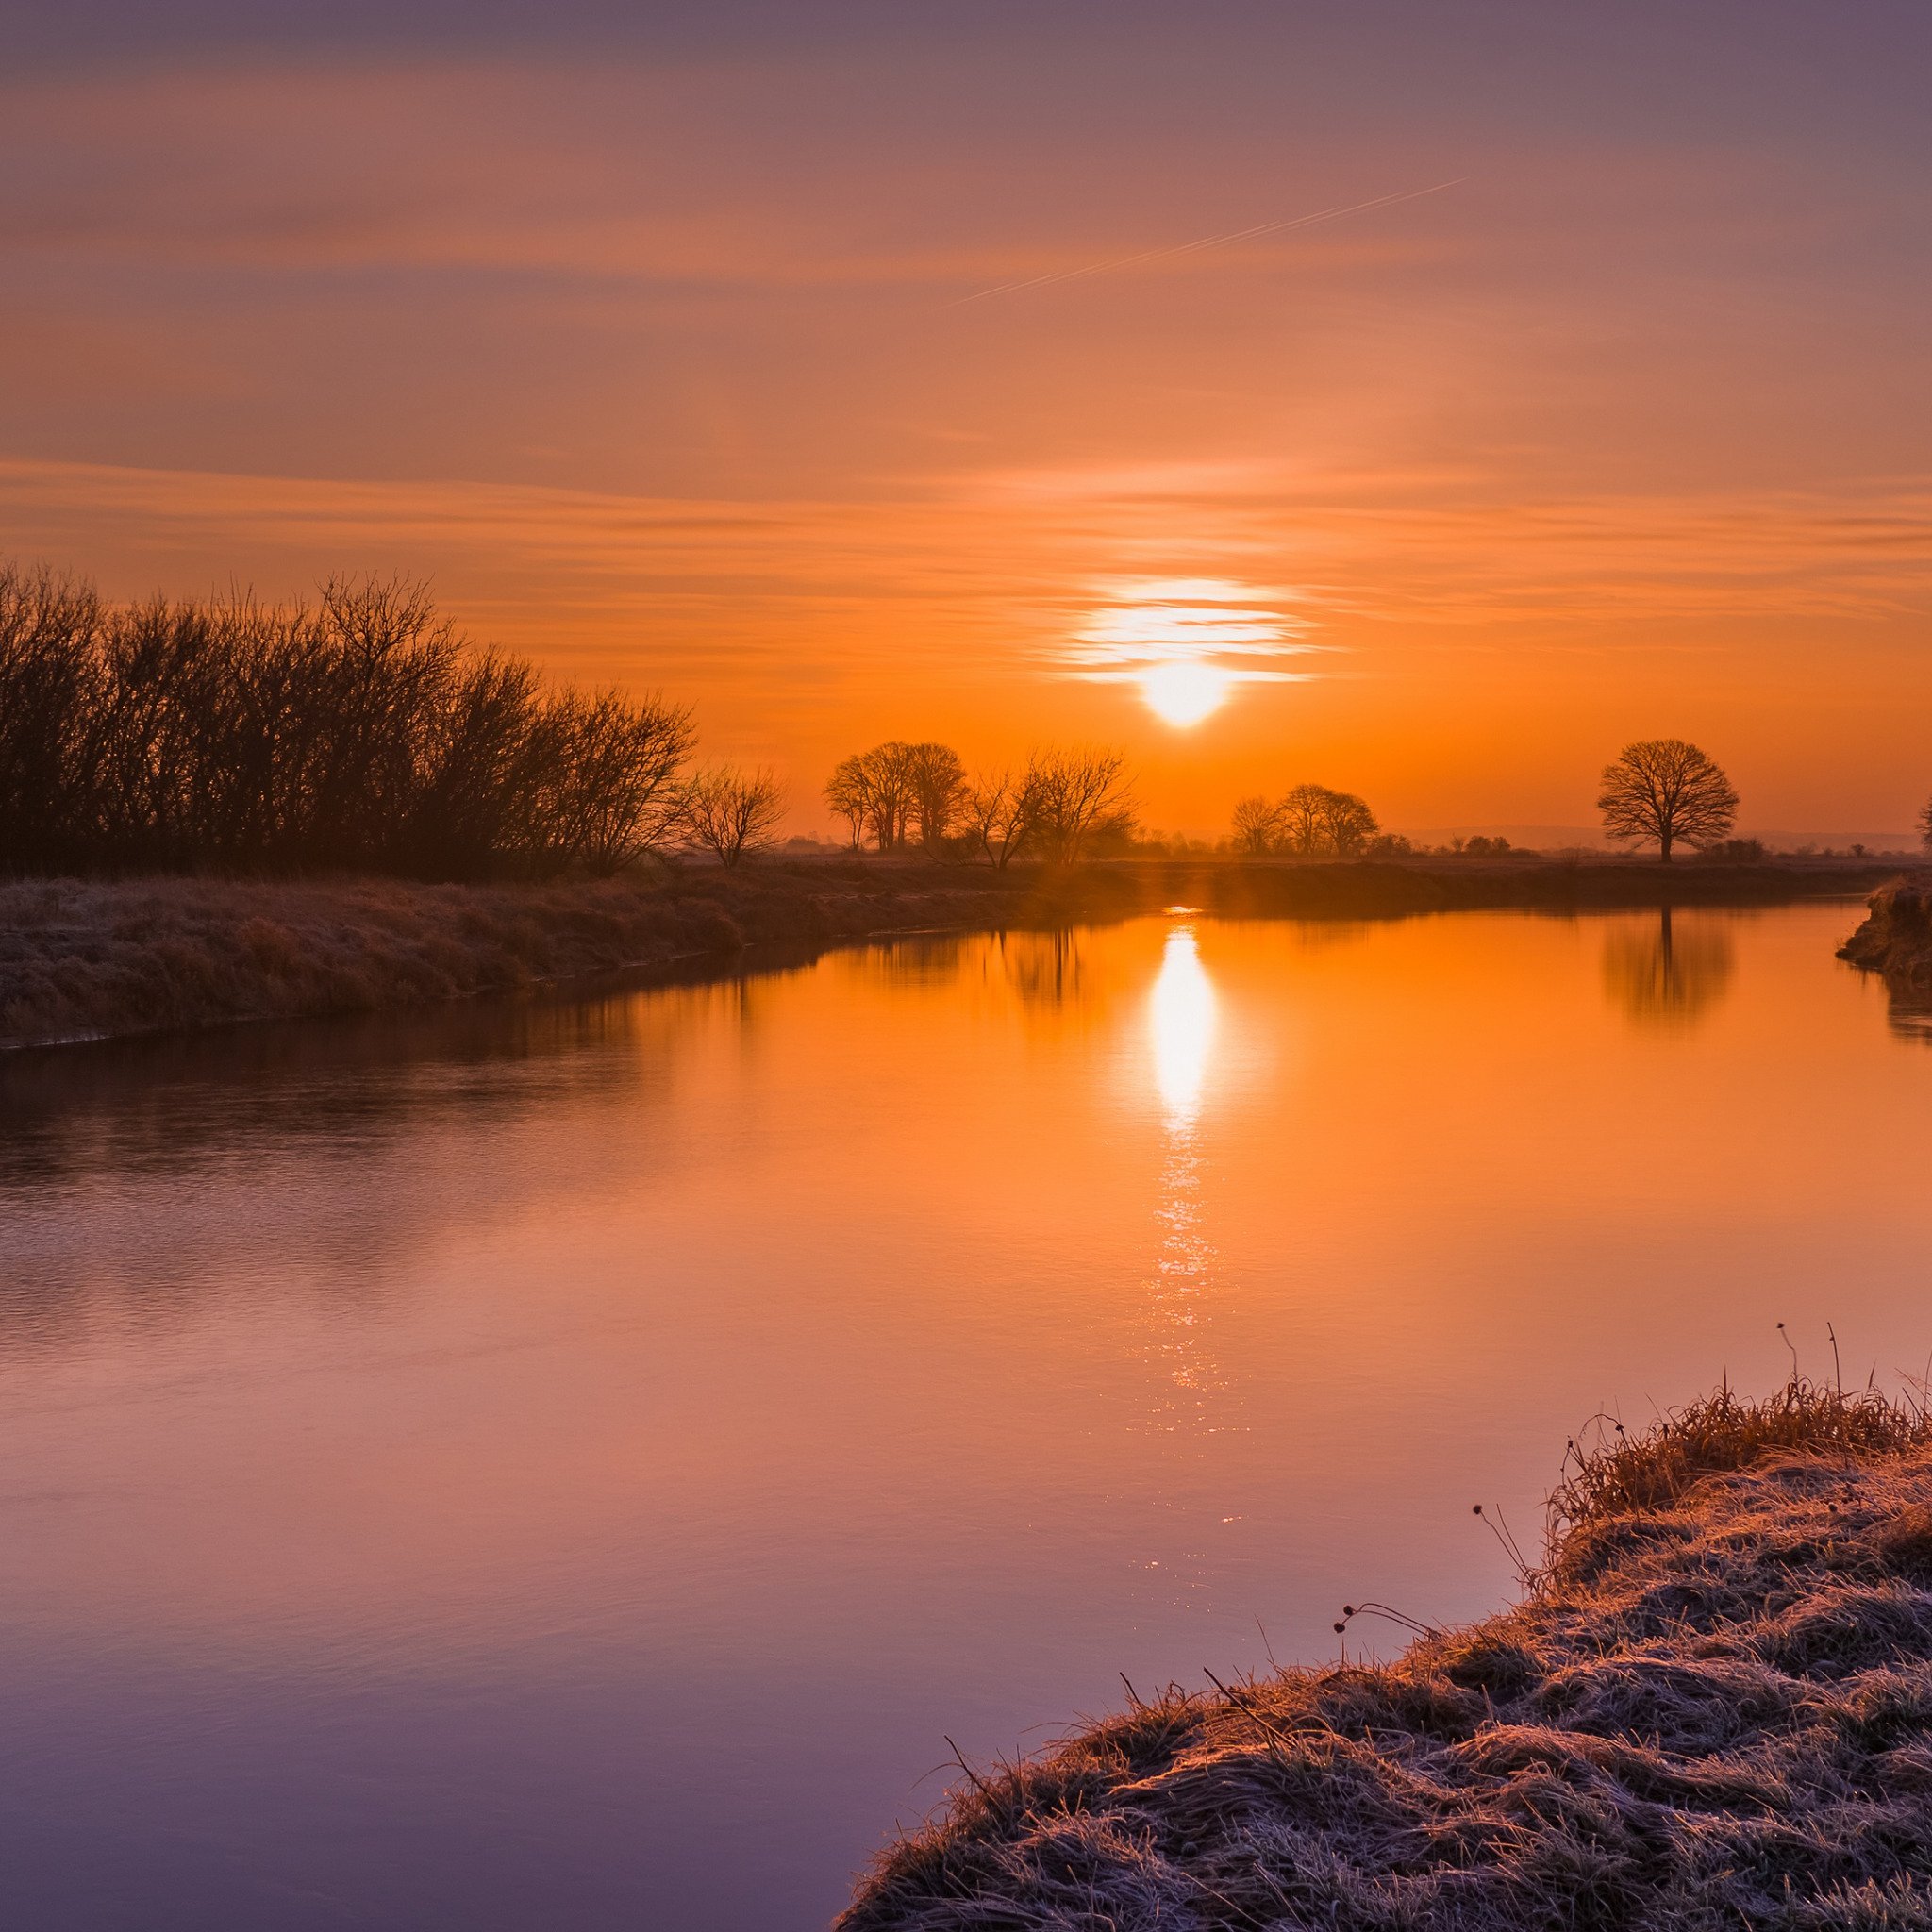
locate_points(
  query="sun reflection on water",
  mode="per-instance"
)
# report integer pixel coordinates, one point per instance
(1182, 1015)
(1183, 1020)
(1192, 1398)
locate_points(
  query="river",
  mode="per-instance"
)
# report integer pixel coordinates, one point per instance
(588, 1464)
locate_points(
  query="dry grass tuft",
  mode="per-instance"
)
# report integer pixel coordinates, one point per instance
(1713, 1709)
(1723, 1432)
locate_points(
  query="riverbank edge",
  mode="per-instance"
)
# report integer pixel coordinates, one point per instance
(1712, 1705)
(1896, 939)
(89, 960)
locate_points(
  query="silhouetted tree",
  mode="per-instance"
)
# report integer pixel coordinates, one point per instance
(48, 630)
(1076, 796)
(612, 791)
(1666, 790)
(848, 792)
(1000, 817)
(896, 791)
(359, 733)
(937, 780)
(731, 813)
(1925, 825)
(1258, 825)
(1312, 821)
(1346, 824)
(479, 800)
(1304, 815)
(882, 780)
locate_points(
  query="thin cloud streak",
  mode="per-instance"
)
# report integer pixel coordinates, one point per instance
(1205, 241)
(1429, 550)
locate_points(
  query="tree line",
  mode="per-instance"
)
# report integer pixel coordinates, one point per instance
(360, 732)
(1059, 806)
(1310, 822)
(1660, 790)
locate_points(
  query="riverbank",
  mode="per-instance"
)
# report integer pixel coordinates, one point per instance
(1234, 887)
(1896, 937)
(1713, 1707)
(89, 960)
(86, 959)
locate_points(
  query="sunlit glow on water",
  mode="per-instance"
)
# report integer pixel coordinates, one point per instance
(1181, 1015)
(483, 1456)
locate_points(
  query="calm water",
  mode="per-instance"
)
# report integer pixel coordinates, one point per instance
(576, 1466)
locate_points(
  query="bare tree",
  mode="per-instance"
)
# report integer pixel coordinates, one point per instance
(897, 791)
(1666, 790)
(49, 674)
(1347, 823)
(1304, 815)
(1925, 825)
(614, 791)
(360, 732)
(1001, 816)
(849, 793)
(936, 781)
(1312, 821)
(1258, 825)
(1077, 794)
(731, 813)
(879, 783)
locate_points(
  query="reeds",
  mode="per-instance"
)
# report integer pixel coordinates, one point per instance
(1725, 1432)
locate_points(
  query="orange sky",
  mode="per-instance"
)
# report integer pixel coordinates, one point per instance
(665, 352)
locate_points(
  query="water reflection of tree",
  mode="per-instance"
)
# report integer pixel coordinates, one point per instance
(1045, 969)
(1671, 975)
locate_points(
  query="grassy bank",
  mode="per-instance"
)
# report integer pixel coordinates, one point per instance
(1264, 888)
(92, 959)
(1896, 937)
(1713, 1708)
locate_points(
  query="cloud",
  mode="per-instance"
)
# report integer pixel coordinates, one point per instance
(1147, 624)
(1006, 565)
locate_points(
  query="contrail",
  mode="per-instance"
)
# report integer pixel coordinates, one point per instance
(1101, 268)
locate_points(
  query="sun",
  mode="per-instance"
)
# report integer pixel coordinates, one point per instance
(1182, 691)
(1189, 643)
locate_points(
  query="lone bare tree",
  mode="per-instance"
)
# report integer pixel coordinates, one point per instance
(1925, 825)
(1666, 790)
(730, 812)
